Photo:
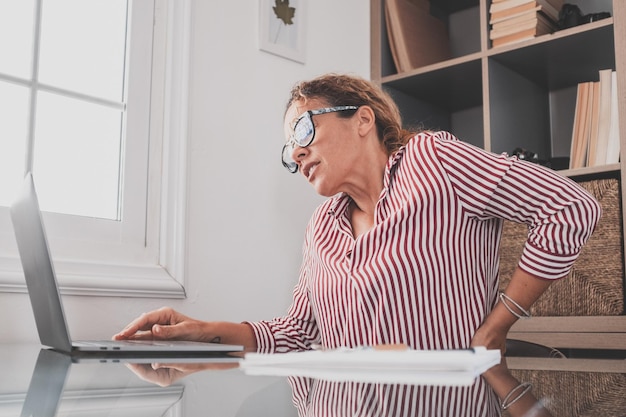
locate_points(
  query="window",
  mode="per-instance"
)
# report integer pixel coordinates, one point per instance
(91, 111)
(62, 91)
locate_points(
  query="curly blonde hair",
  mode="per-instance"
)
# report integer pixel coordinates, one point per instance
(349, 90)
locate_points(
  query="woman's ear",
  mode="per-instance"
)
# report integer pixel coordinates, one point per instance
(366, 120)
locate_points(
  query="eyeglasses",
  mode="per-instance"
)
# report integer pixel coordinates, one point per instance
(304, 133)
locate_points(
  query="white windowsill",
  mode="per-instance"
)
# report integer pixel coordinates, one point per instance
(82, 278)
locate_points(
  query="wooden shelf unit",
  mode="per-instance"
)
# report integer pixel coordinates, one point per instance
(516, 95)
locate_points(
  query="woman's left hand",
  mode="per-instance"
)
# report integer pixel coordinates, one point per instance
(490, 337)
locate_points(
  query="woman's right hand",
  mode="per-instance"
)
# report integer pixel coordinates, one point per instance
(164, 323)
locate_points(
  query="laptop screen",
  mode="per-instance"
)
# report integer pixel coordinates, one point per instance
(38, 269)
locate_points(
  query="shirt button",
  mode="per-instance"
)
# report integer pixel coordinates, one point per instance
(349, 254)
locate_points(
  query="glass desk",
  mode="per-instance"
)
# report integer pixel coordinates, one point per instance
(38, 382)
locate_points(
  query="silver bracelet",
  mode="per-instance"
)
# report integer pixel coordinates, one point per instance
(505, 300)
(525, 386)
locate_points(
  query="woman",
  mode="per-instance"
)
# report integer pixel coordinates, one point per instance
(405, 250)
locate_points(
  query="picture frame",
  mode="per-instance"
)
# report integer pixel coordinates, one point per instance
(282, 25)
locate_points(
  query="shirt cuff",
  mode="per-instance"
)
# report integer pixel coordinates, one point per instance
(265, 341)
(546, 265)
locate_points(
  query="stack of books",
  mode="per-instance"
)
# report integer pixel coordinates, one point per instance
(595, 134)
(518, 20)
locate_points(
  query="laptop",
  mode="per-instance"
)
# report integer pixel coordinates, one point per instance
(47, 304)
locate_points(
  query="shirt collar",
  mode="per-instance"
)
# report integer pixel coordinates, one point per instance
(339, 205)
(341, 201)
(392, 163)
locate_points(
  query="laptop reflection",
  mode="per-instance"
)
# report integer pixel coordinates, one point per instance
(46, 384)
(91, 387)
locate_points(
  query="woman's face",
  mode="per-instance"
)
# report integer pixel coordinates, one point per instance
(326, 163)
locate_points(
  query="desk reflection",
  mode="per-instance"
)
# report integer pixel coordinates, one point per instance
(58, 387)
(342, 399)
(341, 395)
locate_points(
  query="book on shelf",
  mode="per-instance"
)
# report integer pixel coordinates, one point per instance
(598, 155)
(508, 7)
(495, 17)
(521, 34)
(416, 38)
(580, 138)
(522, 20)
(519, 19)
(595, 133)
(593, 117)
(613, 146)
(536, 22)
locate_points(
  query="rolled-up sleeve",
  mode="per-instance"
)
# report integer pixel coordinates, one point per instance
(560, 214)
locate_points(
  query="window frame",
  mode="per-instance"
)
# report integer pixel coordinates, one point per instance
(160, 272)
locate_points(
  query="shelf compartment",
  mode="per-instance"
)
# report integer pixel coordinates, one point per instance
(564, 58)
(449, 98)
(520, 113)
(452, 87)
(532, 89)
(461, 17)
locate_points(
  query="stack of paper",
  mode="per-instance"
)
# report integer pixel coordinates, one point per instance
(419, 367)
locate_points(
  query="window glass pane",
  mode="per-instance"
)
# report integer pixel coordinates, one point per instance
(16, 37)
(86, 53)
(13, 134)
(77, 156)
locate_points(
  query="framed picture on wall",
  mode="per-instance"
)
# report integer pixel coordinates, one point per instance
(282, 28)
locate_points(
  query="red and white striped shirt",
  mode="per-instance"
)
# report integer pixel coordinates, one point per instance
(426, 273)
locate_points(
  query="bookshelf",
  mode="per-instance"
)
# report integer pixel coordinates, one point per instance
(521, 94)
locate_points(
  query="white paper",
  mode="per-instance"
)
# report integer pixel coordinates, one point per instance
(422, 367)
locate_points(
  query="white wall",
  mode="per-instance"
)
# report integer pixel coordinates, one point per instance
(246, 214)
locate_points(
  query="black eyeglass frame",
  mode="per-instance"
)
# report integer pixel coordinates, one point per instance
(292, 142)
